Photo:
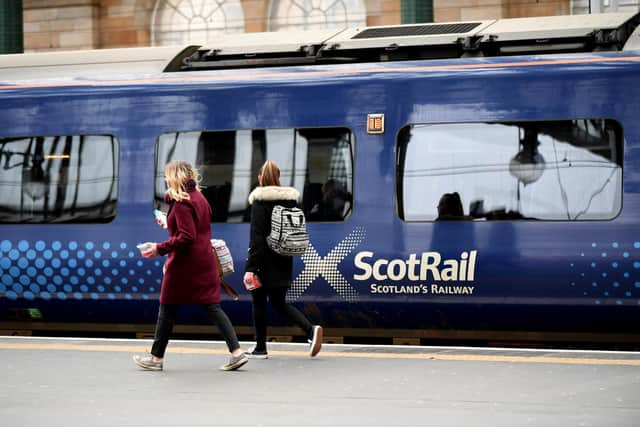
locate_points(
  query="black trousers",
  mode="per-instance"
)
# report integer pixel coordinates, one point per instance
(276, 297)
(167, 318)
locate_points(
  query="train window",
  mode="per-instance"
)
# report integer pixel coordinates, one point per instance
(318, 162)
(553, 170)
(56, 179)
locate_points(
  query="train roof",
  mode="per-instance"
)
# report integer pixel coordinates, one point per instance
(482, 38)
(102, 62)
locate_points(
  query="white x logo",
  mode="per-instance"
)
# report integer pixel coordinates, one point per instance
(327, 267)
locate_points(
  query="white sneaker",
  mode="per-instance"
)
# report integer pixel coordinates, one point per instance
(234, 362)
(149, 362)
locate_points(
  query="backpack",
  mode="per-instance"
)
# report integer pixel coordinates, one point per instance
(288, 231)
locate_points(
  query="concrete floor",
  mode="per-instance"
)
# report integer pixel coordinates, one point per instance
(78, 382)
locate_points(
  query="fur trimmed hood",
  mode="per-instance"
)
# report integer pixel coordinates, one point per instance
(273, 193)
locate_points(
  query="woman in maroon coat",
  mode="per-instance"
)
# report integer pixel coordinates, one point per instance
(191, 275)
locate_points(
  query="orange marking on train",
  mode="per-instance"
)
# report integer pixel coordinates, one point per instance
(337, 354)
(319, 73)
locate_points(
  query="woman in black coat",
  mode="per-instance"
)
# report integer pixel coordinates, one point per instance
(273, 271)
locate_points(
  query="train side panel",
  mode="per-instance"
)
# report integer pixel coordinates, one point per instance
(374, 270)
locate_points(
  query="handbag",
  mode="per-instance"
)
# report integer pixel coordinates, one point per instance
(231, 293)
(223, 254)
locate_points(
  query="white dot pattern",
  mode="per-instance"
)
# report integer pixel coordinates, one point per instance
(61, 270)
(327, 267)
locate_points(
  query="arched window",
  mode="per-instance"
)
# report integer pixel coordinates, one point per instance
(178, 22)
(315, 14)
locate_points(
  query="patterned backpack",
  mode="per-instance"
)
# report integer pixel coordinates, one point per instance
(288, 231)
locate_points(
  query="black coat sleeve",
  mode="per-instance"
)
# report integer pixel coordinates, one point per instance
(258, 238)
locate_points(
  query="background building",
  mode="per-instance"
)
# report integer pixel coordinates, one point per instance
(94, 24)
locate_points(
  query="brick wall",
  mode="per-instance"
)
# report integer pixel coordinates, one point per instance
(125, 23)
(60, 25)
(467, 10)
(255, 15)
(93, 24)
(383, 12)
(524, 8)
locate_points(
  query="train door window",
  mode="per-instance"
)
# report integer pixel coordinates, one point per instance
(318, 162)
(57, 179)
(553, 170)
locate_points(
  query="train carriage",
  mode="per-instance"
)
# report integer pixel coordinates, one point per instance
(473, 181)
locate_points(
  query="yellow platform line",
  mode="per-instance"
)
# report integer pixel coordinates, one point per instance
(337, 354)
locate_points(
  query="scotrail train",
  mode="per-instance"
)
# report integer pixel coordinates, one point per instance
(476, 180)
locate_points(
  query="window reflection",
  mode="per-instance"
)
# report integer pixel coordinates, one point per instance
(69, 178)
(317, 162)
(556, 170)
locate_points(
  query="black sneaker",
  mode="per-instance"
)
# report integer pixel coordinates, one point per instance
(234, 362)
(316, 341)
(256, 354)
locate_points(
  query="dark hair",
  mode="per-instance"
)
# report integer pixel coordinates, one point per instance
(450, 205)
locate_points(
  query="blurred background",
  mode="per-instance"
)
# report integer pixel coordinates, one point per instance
(54, 25)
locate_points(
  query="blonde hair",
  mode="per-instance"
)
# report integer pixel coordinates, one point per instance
(270, 173)
(180, 176)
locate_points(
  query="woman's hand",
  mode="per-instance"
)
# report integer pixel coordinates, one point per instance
(161, 218)
(150, 250)
(248, 278)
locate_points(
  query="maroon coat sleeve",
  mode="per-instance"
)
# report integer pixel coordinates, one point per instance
(182, 228)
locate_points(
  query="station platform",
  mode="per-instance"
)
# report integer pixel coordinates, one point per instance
(94, 382)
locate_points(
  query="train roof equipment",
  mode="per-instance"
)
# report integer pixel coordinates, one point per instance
(480, 38)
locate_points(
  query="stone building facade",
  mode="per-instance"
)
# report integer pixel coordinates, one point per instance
(96, 24)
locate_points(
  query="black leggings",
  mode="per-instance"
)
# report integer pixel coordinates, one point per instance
(276, 297)
(167, 318)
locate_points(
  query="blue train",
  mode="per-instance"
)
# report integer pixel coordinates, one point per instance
(470, 181)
